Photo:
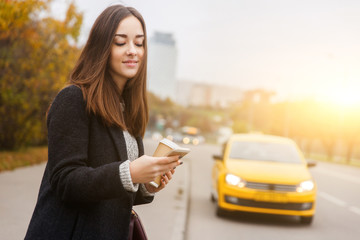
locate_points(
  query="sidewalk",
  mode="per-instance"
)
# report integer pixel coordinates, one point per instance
(163, 219)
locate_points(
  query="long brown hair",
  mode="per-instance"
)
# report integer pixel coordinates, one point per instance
(91, 74)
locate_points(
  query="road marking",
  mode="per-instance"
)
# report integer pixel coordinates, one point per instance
(333, 199)
(354, 209)
(339, 202)
(346, 177)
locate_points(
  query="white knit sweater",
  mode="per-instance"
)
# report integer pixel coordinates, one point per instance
(124, 170)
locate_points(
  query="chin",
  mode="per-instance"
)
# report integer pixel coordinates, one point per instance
(130, 74)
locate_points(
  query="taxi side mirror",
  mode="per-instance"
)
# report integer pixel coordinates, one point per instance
(218, 157)
(311, 163)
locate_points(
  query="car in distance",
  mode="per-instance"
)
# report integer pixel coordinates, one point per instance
(188, 135)
(263, 174)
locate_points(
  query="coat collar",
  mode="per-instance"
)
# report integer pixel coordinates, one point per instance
(117, 135)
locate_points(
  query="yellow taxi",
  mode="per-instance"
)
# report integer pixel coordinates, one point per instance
(263, 174)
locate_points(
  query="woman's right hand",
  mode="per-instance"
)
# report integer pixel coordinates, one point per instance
(145, 168)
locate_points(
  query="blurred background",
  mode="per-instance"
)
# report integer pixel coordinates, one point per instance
(280, 67)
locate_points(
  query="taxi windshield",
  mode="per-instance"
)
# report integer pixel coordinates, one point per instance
(265, 151)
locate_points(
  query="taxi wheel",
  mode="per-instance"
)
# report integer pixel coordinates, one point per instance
(212, 198)
(307, 220)
(220, 212)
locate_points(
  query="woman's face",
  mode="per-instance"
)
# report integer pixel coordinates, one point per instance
(127, 51)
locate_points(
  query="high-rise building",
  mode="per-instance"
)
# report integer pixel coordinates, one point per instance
(162, 58)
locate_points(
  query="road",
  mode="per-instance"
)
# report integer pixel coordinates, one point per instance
(337, 216)
(337, 210)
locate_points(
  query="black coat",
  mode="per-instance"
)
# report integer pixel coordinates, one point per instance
(81, 195)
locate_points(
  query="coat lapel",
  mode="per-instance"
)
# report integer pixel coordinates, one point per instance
(117, 135)
(118, 138)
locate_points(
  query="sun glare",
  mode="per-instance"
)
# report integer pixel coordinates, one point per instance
(341, 97)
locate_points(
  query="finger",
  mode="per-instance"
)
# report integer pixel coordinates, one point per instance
(167, 160)
(166, 168)
(177, 163)
(166, 179)
(162, 185)
(173, 165)
(169, 175)
(172, 171)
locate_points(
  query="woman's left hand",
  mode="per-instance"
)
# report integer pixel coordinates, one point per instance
(165, 179)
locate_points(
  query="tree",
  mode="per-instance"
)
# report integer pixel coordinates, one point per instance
(36, 56)
(329, 129)
(350, 131)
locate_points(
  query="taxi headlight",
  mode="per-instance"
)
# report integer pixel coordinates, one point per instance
(234, 180)
(305, 186)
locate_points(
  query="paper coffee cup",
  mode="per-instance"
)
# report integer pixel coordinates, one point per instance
(161, 151)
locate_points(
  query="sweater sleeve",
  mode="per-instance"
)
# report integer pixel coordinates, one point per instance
(69, 173)
(124, 172)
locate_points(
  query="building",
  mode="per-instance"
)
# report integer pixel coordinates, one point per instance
(162, 59)
(204, 94)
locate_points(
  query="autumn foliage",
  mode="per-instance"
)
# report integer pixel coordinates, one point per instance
(37, 53)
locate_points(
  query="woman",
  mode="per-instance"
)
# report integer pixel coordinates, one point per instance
(96, 169)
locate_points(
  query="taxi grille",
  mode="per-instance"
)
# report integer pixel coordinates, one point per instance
(272, 187)
(271, 205)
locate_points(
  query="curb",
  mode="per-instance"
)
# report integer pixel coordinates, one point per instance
(179, 230)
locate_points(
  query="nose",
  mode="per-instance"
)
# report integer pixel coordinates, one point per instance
(132, 50)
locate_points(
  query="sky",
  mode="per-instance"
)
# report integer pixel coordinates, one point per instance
(297, 48)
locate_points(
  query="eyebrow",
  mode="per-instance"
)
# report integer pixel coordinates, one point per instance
(125, 36)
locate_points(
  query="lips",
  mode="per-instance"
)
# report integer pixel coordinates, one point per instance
(130, 63)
